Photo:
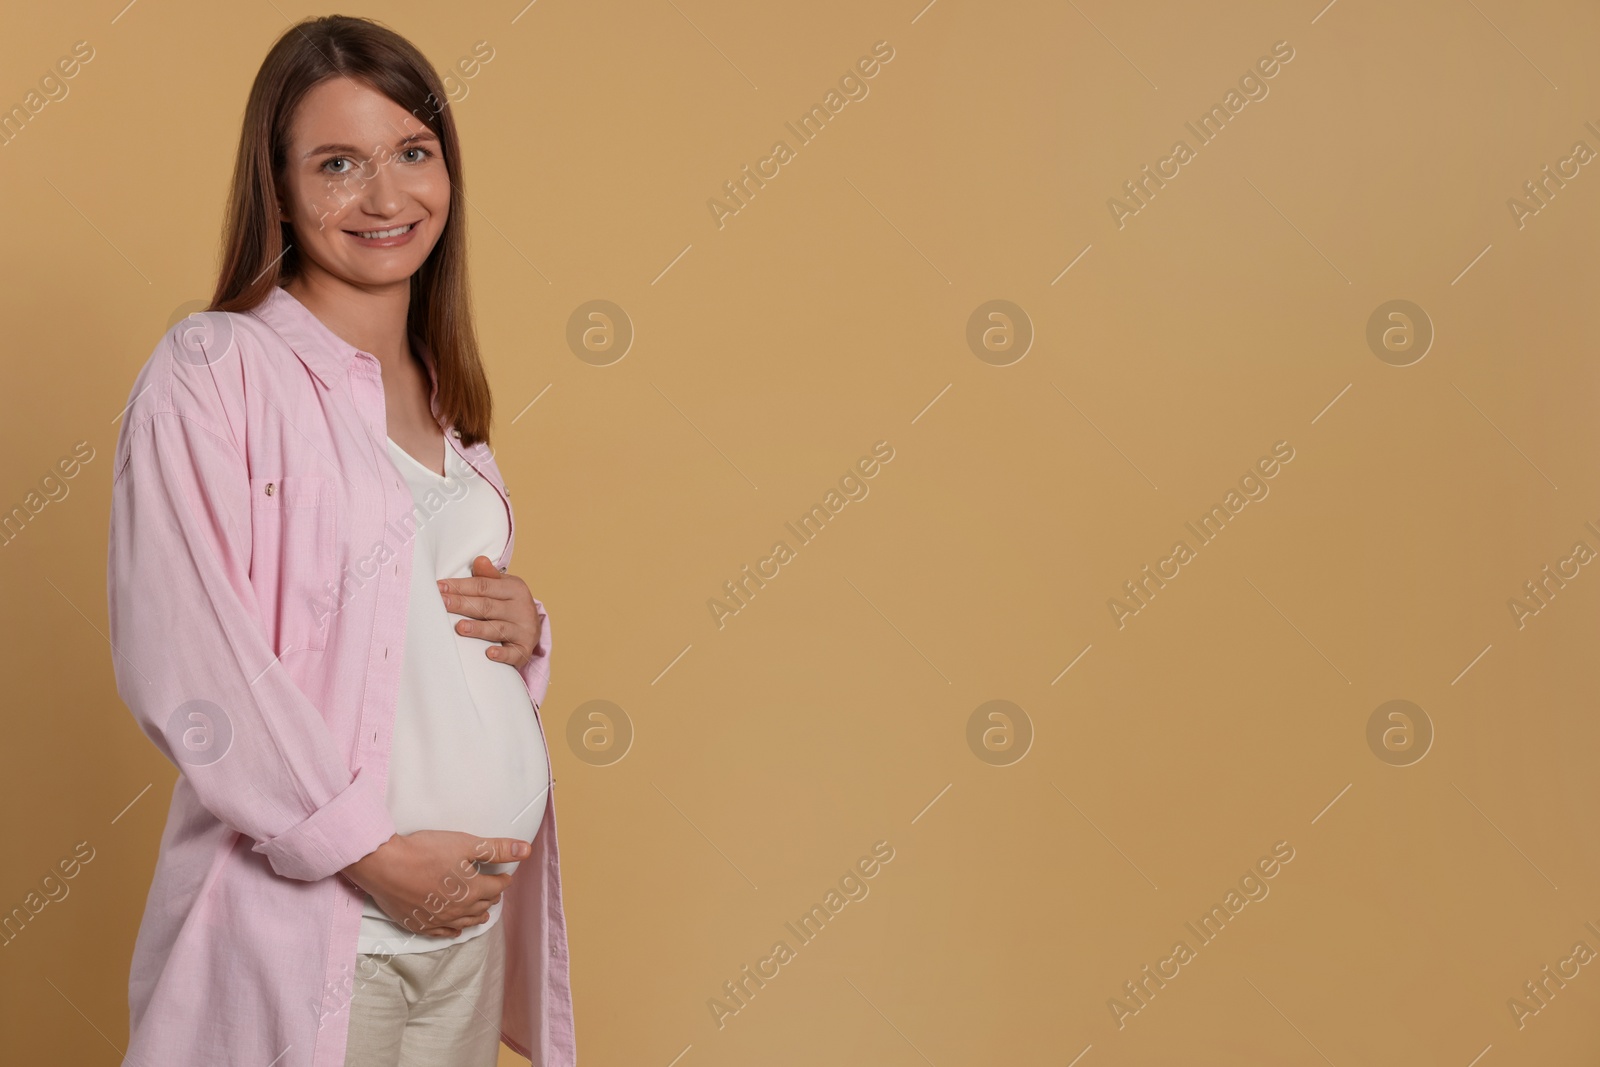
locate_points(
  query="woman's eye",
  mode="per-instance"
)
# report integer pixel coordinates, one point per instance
(331, 162)
(425, 153)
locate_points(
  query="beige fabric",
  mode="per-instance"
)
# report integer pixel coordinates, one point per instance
(430, 1009)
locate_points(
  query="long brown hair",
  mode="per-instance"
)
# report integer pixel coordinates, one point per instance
(258, 250)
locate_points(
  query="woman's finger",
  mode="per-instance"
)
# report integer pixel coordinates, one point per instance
(475, 607)
(487, 629)
(478, 593)
(476, 912)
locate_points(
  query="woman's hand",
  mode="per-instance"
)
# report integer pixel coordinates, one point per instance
(504, 605)
(429, 881)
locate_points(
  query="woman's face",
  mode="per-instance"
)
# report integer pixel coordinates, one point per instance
(358, 164)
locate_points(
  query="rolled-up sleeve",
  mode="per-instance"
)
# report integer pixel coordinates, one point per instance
(188, 647)
(536, 672)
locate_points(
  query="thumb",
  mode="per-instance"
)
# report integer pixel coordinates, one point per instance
(483, 567)
(505, 849)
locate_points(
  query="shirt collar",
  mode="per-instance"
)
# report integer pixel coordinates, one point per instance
(325, 353)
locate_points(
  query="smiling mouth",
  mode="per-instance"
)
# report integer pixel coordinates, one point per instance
(381, 234)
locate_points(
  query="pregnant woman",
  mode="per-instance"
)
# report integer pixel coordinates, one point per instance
(311, 616)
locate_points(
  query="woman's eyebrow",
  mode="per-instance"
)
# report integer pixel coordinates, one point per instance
(420, 135)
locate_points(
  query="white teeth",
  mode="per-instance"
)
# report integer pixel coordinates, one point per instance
(380, 234)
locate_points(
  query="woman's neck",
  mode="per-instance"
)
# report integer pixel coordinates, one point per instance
(374, 321)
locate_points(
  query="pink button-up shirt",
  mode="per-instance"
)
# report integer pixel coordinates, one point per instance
(259, 575)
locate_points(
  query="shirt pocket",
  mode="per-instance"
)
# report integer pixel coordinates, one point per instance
(294, 528)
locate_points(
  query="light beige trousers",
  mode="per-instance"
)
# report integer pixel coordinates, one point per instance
(430, 1009)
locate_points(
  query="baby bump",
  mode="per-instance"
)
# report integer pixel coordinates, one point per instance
(477, 764)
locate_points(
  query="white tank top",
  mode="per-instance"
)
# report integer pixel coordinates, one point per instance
(467, 752)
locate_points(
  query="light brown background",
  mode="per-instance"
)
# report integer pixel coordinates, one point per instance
(827, 315)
